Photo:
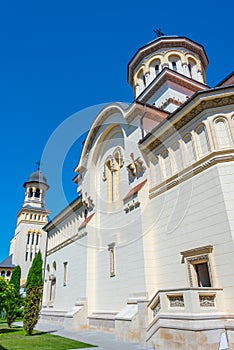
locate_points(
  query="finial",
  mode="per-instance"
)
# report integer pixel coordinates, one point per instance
(158, 32)
(39, 164)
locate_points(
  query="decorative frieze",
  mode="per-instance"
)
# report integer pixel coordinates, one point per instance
(176, 300)
(207, 300)
(157, 308)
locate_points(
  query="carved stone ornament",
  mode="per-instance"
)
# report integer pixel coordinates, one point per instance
(176, 301)
(207, 300)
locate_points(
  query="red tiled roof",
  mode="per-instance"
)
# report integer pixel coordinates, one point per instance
(134, 190)
(85, 222)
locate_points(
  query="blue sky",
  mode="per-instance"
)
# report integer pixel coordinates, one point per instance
(59, 57)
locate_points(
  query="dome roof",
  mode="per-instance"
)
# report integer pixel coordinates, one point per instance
(37, 176)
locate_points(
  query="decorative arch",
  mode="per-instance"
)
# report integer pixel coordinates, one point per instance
(166, 163)
(222, 133)
(189, 149)
(202, 140)
(100, 120)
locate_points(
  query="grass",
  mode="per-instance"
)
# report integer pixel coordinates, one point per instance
(15, 339)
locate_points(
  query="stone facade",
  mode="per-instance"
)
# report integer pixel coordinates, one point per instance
(146, 250)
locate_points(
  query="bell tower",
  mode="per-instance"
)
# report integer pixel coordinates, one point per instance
(29, 235)
(167, 71)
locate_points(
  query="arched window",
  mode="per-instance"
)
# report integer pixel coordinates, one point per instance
(28, 238)
(53, 283)
(174, 66)
(189, 152)
(37, 239)
(221, 131)
(155, 171)
(3, 273)
(141, 81)
(155, 68)
(166, 163)
(202, 140)
(30, 192)
(192, 68)
(37, 193)
(8, 273)
(177, 157)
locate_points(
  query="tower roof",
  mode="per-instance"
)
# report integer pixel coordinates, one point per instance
(38, 177)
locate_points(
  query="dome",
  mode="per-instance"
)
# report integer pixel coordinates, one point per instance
(37, 176)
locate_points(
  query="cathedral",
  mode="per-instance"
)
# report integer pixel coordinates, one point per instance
(146, 250)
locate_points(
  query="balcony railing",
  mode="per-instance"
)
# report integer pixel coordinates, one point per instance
(186, 300)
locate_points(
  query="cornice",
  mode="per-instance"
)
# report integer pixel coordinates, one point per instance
(65, 243)
(65, 213)
(169, 75)
(181, 117)
(213, 158)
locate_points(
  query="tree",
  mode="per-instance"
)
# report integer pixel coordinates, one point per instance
(11, 304)
(3, 289)
(8, 300)
(15, 278)
(13, 296)
(32, 301)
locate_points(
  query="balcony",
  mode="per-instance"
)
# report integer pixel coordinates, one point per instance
(186, 301)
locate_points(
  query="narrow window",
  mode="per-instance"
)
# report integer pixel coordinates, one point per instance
(30, 193)
(26, 256)
(65, 273)
(35, 217)
(189, 152)
(37, 239)
(177, 157)
(203, 277)
(203, 145)
(221, 130)
(39, 217)
(174, 66)
(31, 256)
(198, 266)
(37, 193)
(166, 164)
(31, 216)
(111, 248)
(28, 238)
(144, 80)
(3, 273)
(190, 69)
(33, 238)
(155, 172)
(156, 69)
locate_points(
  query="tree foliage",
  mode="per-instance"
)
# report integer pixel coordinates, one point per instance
(15, 279)
(3, 293)
(32, 301)
(11, 304)
(13, 297)
(34, 278)
(8, 300)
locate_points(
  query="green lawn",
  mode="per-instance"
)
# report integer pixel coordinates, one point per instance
(15, 339)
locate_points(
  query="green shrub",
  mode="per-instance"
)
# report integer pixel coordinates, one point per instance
(34, 289)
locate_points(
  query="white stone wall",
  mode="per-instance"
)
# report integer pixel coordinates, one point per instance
(20, 246)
